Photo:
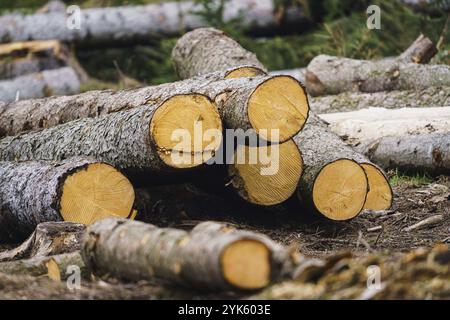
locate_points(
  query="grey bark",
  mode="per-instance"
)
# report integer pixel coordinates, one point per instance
(207, 50)
(49, 238)
(30, 194)
(333, 75)
(136, 24)
(62, 81)
(298, 74)
(136, 251)
(351, 101)
(424, 153)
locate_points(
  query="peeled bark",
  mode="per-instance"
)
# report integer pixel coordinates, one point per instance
(333, 75)
(62, 81)
(333, 182)
(136, 24)
(424, 152)
(49, 238)
(77, 189)
(205, 257)
(350, 101)
(367, 125)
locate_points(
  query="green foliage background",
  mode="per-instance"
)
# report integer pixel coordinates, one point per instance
(335, 27)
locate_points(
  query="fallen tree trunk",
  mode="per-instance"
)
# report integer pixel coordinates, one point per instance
(205, 257)
(78, 189)
(333, 75)
(138, 141)
(63, 81)
(420, 51)
(333, 181)
(365, 126)
(49, 238)
(137, 24)
(276, 105)
(424, 152)
(351, 101)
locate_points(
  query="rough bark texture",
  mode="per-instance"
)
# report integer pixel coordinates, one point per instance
(136, 251)
(30, 193)
(425, 152)
(136, 24)
(207, 50)
(350, 101)
(367, 125)
(49, 238)
(57, 267)
(319, 147)
(420, 51)
(333, 75)
(62, 81)
(230, 95)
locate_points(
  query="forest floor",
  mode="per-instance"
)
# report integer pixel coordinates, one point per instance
(414, 264)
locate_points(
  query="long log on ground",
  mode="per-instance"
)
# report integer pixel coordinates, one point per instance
(424, 153)
(212, 255)
(57, 267)
(77, 189)
(62, 81)
(207, 50)
(137, 24)
(337, 181)
(49, 238)
(333, 75)
(367, 125)
(245, 103)
(351, 101)
(139, 141)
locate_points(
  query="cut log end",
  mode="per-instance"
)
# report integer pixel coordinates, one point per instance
(279, 103)
(187, 130)
(246, 264)
(340, 190)
(243, 72)
(380, 193)
(94, 193)
(270, 179)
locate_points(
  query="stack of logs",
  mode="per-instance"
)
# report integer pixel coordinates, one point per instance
(79, 158)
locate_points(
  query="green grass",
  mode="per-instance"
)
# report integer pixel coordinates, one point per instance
(416, 179)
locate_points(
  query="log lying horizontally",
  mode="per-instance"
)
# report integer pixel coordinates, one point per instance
(138, 141)
(351, 101)
(333, 182)
(77, 189)
(424, 152)
(136, 24)
(333, 75)
(212, 255)
(62, 81)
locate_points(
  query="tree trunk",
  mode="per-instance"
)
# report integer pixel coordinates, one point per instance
(365, 126)
(425, 152)
(205, 257)
(77, 189)
(420, 51)
(49, 238)
(138, 141)
(63, 81)
(350, 101)
(137, 24)
(333, 75)
(333, 182)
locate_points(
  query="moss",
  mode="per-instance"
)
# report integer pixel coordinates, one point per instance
(417, 179)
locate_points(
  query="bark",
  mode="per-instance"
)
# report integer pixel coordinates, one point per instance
(298, 73)
(207, 50)
(49, 238)
(137, 251)
(30, 194)
(333, 75)
(62, 81)
(350, 101)
(424, 153)
(57, 267)
(368, 125)
(420, 51)
(137, 24)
